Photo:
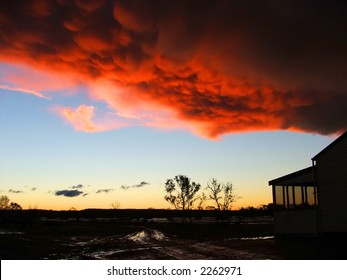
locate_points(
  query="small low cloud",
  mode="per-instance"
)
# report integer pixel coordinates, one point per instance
(79, 186)
(69, 193)
(31, 188)
(142, 184)
(72, 191)
(104, 191)
(14, 191)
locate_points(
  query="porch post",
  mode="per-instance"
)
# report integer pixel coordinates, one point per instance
(274, 195)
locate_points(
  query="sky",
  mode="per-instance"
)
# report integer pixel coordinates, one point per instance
(103, 101)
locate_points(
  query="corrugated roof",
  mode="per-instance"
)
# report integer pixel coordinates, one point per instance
(303, 177)
(331, 145)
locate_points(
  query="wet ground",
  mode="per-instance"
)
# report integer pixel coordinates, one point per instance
(157, 240)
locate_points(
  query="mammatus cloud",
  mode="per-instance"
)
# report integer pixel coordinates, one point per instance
(69, 193)
(142, 184)
(213, 66)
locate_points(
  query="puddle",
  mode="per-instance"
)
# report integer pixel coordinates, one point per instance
(253, 238)
(109, 254)
(2, 231)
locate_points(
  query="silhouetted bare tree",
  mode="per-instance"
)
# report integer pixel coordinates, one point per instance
(222, 194)
(215, 195)
(181, 192)
(229, 196)
(201, 200)
(4, 202)
(115, 205)
(6, 205)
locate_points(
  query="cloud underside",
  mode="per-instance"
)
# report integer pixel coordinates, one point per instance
(212, 67)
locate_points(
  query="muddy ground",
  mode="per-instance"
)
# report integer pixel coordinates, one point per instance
(107, 239)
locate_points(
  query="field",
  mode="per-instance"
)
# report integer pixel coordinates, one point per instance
(122, 237)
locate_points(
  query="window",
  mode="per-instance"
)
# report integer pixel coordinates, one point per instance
(279, 196)
(294, 197)
(311, 196)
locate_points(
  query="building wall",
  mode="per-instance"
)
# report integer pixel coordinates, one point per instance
(295, 222)
(331, 180)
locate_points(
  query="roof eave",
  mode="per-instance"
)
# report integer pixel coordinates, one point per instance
(327, 148)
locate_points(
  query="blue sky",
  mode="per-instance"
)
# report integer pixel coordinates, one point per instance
(39, 150)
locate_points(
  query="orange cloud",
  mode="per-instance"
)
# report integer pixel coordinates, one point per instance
(212, 67)
(82, 119)
(25, 91)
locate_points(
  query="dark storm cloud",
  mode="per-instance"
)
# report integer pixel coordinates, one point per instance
(69, 193)
(142, 184)
(219, 66)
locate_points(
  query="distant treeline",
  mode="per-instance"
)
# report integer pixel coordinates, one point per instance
(129, 214)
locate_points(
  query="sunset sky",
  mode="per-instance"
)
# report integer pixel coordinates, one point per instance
(102, 101)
